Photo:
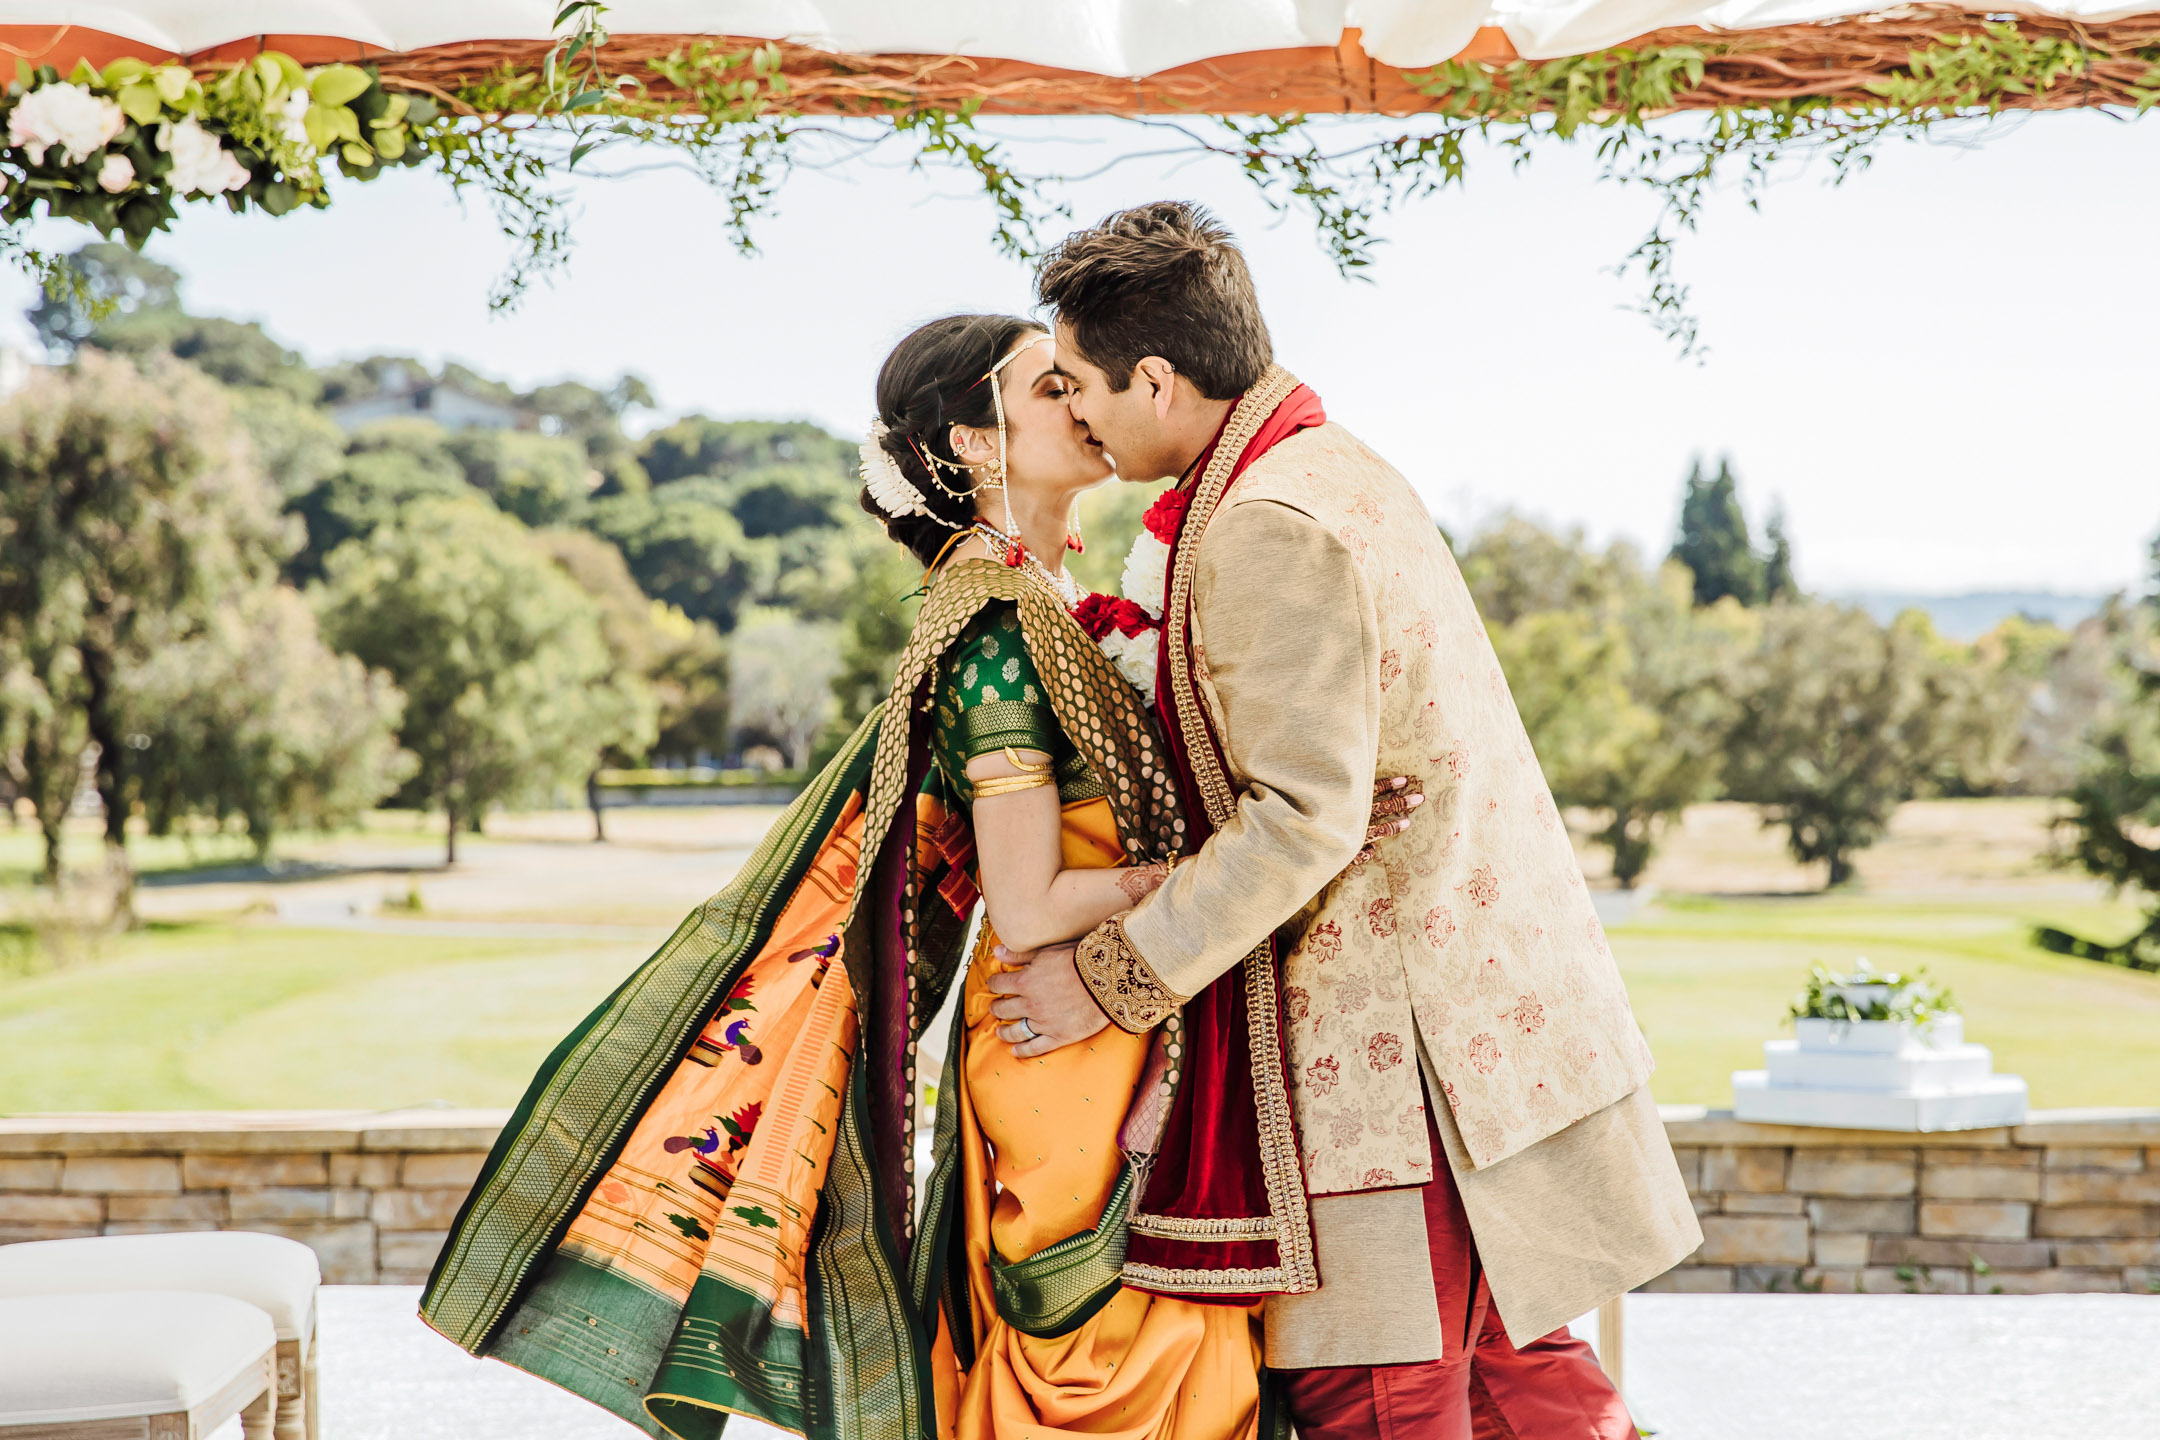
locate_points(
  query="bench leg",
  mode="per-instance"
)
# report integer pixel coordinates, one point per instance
(257, 1421)
(291, 1392)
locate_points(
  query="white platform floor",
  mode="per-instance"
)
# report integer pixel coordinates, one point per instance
(1700, 1367)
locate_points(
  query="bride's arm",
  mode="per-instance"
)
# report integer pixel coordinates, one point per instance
(1031, 897)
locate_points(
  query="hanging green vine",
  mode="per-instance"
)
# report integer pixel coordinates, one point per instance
(731, 115)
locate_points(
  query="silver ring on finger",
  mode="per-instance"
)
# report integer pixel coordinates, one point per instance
(1032, 1032)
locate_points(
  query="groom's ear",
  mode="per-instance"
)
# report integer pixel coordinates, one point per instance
(1160, 376)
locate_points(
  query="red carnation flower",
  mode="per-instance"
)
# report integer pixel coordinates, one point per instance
(1164, 516)
(1099, 614)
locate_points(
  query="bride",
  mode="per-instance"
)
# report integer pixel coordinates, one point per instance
(706, 1203)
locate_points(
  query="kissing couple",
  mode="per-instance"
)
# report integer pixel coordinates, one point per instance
(1290, 1081)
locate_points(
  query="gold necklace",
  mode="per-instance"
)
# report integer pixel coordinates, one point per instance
(1061, 585)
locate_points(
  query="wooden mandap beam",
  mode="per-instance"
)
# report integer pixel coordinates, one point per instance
(1834, 60)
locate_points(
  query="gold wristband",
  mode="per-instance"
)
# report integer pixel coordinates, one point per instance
(1008, 785)
(1012, 756)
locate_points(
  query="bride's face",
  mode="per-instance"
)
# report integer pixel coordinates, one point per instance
(1046, 450)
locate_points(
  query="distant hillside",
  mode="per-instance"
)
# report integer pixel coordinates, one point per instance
(1967, 617)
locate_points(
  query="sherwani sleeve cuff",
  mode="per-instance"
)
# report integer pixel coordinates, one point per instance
(1122, 981)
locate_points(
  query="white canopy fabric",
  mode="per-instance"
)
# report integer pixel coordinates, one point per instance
(1107, 37)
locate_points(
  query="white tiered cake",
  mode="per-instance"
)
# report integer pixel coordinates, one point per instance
(1879, 1075)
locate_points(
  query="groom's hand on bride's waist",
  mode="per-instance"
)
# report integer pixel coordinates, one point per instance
(1045, 992)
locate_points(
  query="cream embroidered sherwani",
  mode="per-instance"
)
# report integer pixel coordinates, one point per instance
(1335, 640)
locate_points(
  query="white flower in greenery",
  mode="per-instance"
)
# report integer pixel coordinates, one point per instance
(1134, 656)
(65, 115)
(294, 124)
(1147, 569)
(201, 165)
(116, 174)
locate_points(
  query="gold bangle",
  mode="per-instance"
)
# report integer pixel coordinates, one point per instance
(1012, 756)
(1008, 785)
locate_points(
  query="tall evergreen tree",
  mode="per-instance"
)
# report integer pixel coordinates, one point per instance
(1713, 541)
(1779, 582)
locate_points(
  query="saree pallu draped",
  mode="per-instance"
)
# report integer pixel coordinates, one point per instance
(704, 1204)
(1224, 1214)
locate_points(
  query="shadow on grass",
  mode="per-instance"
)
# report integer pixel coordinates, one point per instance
(277, 872)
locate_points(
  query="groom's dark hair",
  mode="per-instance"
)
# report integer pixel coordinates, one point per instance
(1163, 279)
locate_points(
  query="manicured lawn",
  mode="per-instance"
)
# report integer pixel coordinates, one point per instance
(269, 1017)
(1711, 980)
(258, 1015)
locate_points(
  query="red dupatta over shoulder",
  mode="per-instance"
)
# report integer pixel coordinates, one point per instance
(1223, 1215)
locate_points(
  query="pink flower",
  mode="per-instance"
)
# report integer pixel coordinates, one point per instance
(116, 174)
(1323, 1075)
(1324, 942)
(1383, 1052)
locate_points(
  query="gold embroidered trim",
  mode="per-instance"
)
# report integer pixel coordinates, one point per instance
(1170, 1227)
(1279, 1165)
(1121, 980)
(1208, 1282)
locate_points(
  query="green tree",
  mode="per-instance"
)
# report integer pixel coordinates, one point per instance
(499, 654)
(1840, 721)
(388, 467)
(1713, 541)
(2114, 819)
(721, 448)
(254, 717)
(781, 681)
(127, 509)
(1779, 583)
(686, 549)
(874, 629)
(541, 479)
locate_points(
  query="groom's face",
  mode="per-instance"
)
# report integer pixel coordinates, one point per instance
(1127, 422)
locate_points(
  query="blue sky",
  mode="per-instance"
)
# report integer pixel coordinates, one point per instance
(1943, 369)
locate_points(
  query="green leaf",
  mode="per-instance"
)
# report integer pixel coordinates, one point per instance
(268, 73)
(172, 82)
(319, 133)
(121, 71)
(389, 141)
(338, 84)
(356, 154)
(141, 103)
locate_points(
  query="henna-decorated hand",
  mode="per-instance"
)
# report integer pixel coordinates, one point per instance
(1393, 800)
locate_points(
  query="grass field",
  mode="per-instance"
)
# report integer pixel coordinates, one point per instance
(218, 1005)
(1711, 980)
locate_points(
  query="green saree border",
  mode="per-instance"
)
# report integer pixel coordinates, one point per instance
(581, 1106)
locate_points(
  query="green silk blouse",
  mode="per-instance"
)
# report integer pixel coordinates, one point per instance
(989, 696)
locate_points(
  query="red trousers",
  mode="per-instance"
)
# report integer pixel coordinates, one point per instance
(1483, 1387)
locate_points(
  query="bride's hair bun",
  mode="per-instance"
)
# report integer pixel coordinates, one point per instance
(930, 383)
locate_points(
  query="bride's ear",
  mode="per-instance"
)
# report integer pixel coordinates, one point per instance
(971, 446)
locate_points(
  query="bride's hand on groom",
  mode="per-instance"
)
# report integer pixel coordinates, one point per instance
(1045, 992)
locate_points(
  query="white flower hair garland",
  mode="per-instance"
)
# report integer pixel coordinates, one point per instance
(889, 489)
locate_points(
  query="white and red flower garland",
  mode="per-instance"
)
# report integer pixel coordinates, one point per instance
(1128, 626)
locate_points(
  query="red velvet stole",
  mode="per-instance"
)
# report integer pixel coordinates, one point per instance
(1208, 1164)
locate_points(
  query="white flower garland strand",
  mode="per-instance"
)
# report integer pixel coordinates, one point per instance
(1147, 570)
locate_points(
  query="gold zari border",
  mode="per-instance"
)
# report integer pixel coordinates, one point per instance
(1170, 1227)
(1208, 1282)
(1279, 1163)
(1121, 980)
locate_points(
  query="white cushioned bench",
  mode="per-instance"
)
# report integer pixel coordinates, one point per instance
(277, 1276)
(134, 1365)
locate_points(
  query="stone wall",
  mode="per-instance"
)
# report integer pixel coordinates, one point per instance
(372, 1192)
(2069, 1201)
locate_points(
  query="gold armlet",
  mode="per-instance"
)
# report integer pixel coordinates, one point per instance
(1009, 785)
(1012, 755)
(1121, 980)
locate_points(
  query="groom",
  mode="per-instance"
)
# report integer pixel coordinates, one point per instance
(1446, 1148)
